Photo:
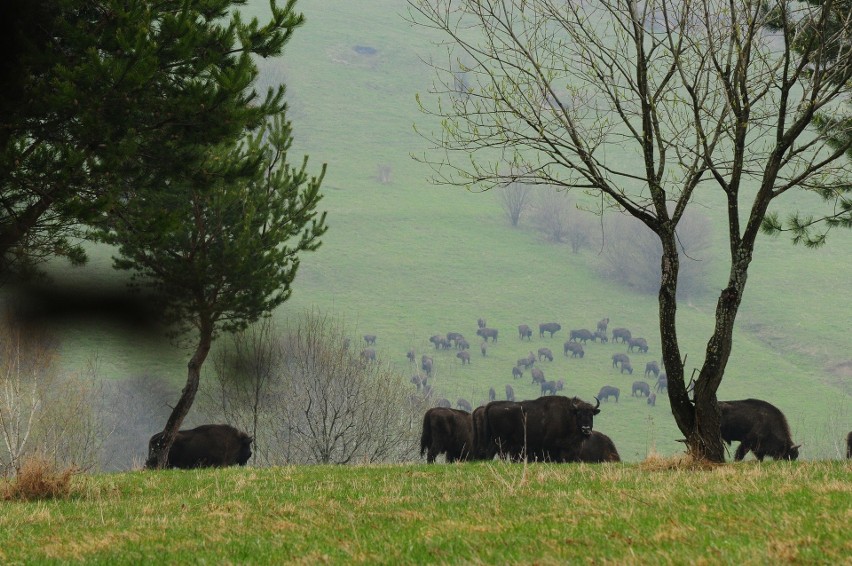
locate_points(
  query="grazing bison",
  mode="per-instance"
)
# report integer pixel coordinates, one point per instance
(480, 323)
(662, 383)
(524, 331)
(626, 367)
(551, 387)
(602, 324)
(849, 445)
(760, 427)
(464, 405)
(527, 362)
(619, 359)
(368, 355)
(621, 333)
(581, 335)
(641, 388)
(598, 448)
(545, 353)
(462, 344)
(652, 399)
(483, 348)
(510, 393)
(443, 403)
(601, 335)
(652, 367)
(446, 431)
(411, 356)
(639, 343)
(517, 372)
(492, 395)
(551, 327)
(211, 445)
(464, 356)
(487, 333)
(537, 375)
(426, 364)
(454, 337)
(440, 342)
(575, 348)
(370, 338)
(608, 391)
(548, 428)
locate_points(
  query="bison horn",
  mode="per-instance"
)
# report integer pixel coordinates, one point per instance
(598, 403)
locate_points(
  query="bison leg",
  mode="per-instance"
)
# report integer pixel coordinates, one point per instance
(742, 450)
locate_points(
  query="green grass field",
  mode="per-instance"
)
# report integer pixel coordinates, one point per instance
(405, 260)
(483, 513)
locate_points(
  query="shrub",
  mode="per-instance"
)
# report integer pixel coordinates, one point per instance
(38, 478)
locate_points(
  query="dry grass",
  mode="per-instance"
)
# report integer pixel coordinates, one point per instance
(37, 479)
(657, 463)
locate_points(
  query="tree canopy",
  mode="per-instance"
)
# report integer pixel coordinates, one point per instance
(702, 101)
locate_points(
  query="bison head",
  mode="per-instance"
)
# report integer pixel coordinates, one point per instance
(792, 453)
(585, 414)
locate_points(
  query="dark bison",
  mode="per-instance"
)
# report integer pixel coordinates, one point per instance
(662, 383)
(639, 343)
(575, 348)
(581, 335)
(527, 362)
(517, 372)
(620, 333)
(552, 327)
(480, 323)
(487, 333)
(368, 355)
(537, 375)
(510, 393)
(211, 445)
(652, 399)
(417, 380)
(446, 431)
(626, 367)
(548, 428)
(483, 348)
(545, 353)
(492, 395)
(608, 391)
(524, 331)
(760, 427)
(454, 337)
(411, 356)
(426, 364)
(652, 367)
(464, 405)
(443, 403)
(370, 338)
(602, 324)
(462, 344)
(598, 448)
(551, 387)
(601, 335)
(619, 359)
(641, 388)
(440, 342)
(464, 356)
(849, 445)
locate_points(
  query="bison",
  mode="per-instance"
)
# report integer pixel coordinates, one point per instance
(464, 405)
(621, 333)
(517, 372)
(510, 393)
(537, 375)
(620, 359)
(417, 380)
(598, 448)
(492, 395)
(545, 353)
(575, 348)
(480, 323)
(524, 331)
(483, 348)
(652, 367)
(602, 324)
(370, 338)
(454, 337)
(581, 335)
(552, 327)
(446, 431)
(411, 356)
(639, 343)
(211, 445)
(662, 383)
(626, 367)
(551, 387)
(652, 399)
(527, 362)
(608, 391)
(464, 356)
(641, 388)
(443, 403)
(600, 335)
(760, 427)
(487, 333)
(548, 428)
(368, 355)
(462, 344)
(426, 364)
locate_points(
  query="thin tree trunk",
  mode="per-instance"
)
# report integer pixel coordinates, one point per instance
(159, 457)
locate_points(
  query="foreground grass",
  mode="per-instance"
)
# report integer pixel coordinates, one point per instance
(473, 513)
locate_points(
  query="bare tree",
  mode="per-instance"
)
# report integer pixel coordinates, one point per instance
(556, 215)
(516, 199)
(640, 104)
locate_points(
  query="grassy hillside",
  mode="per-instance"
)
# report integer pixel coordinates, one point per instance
(491, 513)
(405, 260)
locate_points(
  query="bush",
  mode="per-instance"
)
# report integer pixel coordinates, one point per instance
(38, 478)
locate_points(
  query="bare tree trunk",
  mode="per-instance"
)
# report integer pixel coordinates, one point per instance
(161, 450)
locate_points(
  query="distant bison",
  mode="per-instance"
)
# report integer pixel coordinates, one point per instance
(454, 337)
(626, 367)
(552, 327)
(524, 331)
(370, 338)
(464, 405)
(662, 383)
(608, 391)
(619, 359)
(463, 344)
(581, 335)
(602, 324)
(439, 342)
(652, 367)
(527, 362)
(517, 372)
(760, 427)
(640, 388)
(537, 375)
(443, 403)
(598, 448)
(211, 445)
(575, 348)
(483, 348)
(417, 380)
(510, 394)
(464, 356)
(480, 323)
(492, 395)
(545, 353)
(411, 356)
(446, 431)
(368, 355)
(426, 363)
(620, 333)
(601, 335)
(551, 387)
(639, 343)
(487, 333)
(652, 399)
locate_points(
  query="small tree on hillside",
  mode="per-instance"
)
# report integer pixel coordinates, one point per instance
(692, 93)
(221, 249)
(516, 199)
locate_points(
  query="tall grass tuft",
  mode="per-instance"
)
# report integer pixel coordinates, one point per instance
(38, 478)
